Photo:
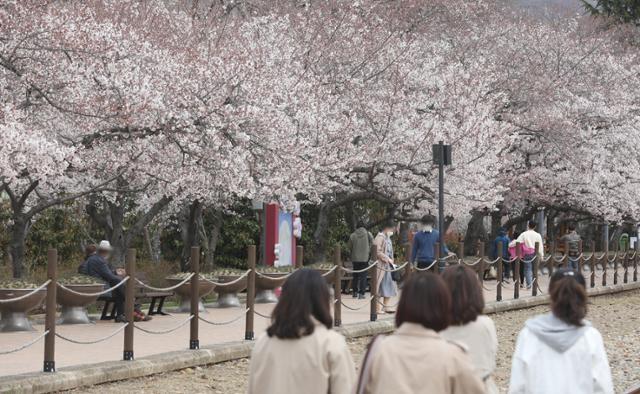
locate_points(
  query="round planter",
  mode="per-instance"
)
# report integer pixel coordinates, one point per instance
(184, 292)
(265, 288)
(228, 295)
(74, 309)
(14, 314)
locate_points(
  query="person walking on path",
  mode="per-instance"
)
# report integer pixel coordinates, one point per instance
(572, 241)
(502, 239)
(468, 325)
(385, 284)
(415, 358)
(300, 352)
(359, 245)
(529, 239)
(560, 352)
(423, 250)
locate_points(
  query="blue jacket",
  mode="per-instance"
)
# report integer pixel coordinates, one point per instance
(424, 244)
(505, 246)
(98, 267)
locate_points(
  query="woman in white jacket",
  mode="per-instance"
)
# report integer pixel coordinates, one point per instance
(560, 352)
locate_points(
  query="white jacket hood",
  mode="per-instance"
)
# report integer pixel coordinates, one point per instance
(554, 332)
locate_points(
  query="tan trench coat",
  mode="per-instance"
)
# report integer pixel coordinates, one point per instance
(319, 363)
(417, 360)
(383, 260)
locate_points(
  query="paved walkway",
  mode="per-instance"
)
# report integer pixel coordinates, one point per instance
(69, 354)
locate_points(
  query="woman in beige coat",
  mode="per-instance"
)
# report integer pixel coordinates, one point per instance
(300, 352)
(416, 359)
(468, 325)
(384, 254)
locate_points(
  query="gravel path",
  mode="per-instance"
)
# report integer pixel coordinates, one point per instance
(616, 316)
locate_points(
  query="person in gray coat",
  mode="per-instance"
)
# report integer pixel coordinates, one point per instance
(360, 243)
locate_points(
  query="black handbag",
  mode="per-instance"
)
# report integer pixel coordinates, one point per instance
(395, 275)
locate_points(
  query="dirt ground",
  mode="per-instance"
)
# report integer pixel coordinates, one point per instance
(616, 316)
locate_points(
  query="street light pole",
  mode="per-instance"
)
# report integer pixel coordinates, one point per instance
(441, 208)
(441, 157)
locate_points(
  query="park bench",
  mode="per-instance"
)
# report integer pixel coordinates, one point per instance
(156, 298)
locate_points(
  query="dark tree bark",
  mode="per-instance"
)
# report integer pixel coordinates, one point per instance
(22, 217)
(212, 238)
(110, 219)
(320, 233)
(190, 222)
(476, 232)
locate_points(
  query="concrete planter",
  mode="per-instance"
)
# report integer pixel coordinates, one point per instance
(265, 288)
(14, 314)
(74, 306)
(184, 292)
(228, 295)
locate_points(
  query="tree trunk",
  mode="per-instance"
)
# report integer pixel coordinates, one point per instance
(320, 234)
(212, 242)
(19, 230)
(115, 231)
(475, 232)
(190, 222)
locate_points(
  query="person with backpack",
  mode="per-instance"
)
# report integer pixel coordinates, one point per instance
(560, 352)
(359, 245)
(529, 239)
(571, 241)
(502, 241)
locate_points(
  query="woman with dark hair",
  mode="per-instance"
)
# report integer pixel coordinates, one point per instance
(468, 325)
(416, 359)
(300, 350)
(560, 352)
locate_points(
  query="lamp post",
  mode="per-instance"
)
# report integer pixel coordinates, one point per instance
(441, 157)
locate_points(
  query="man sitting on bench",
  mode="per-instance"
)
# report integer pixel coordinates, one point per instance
(98, 266)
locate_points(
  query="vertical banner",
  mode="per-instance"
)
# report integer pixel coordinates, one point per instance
(285, 239)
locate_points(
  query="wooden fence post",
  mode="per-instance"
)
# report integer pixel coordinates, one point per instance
(516, 274)
(616, 257)
(534, 271)
(408, 269)
(374, 280)
(50, 317)
(481, 263)
(299, 256)
(460, 250)
(580, 256)
(337, 287)
(436, 265)
(499, 269)
(194, 264)
(251, 291)
(129, 300)
(592, 264)
(635, 260)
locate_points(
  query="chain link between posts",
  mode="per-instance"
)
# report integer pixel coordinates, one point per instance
(167, 331)
(24, 296)
(227, 284)
(165, 289)
(223, 323)
(26, 345)
(103, 292)
(81, 342)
